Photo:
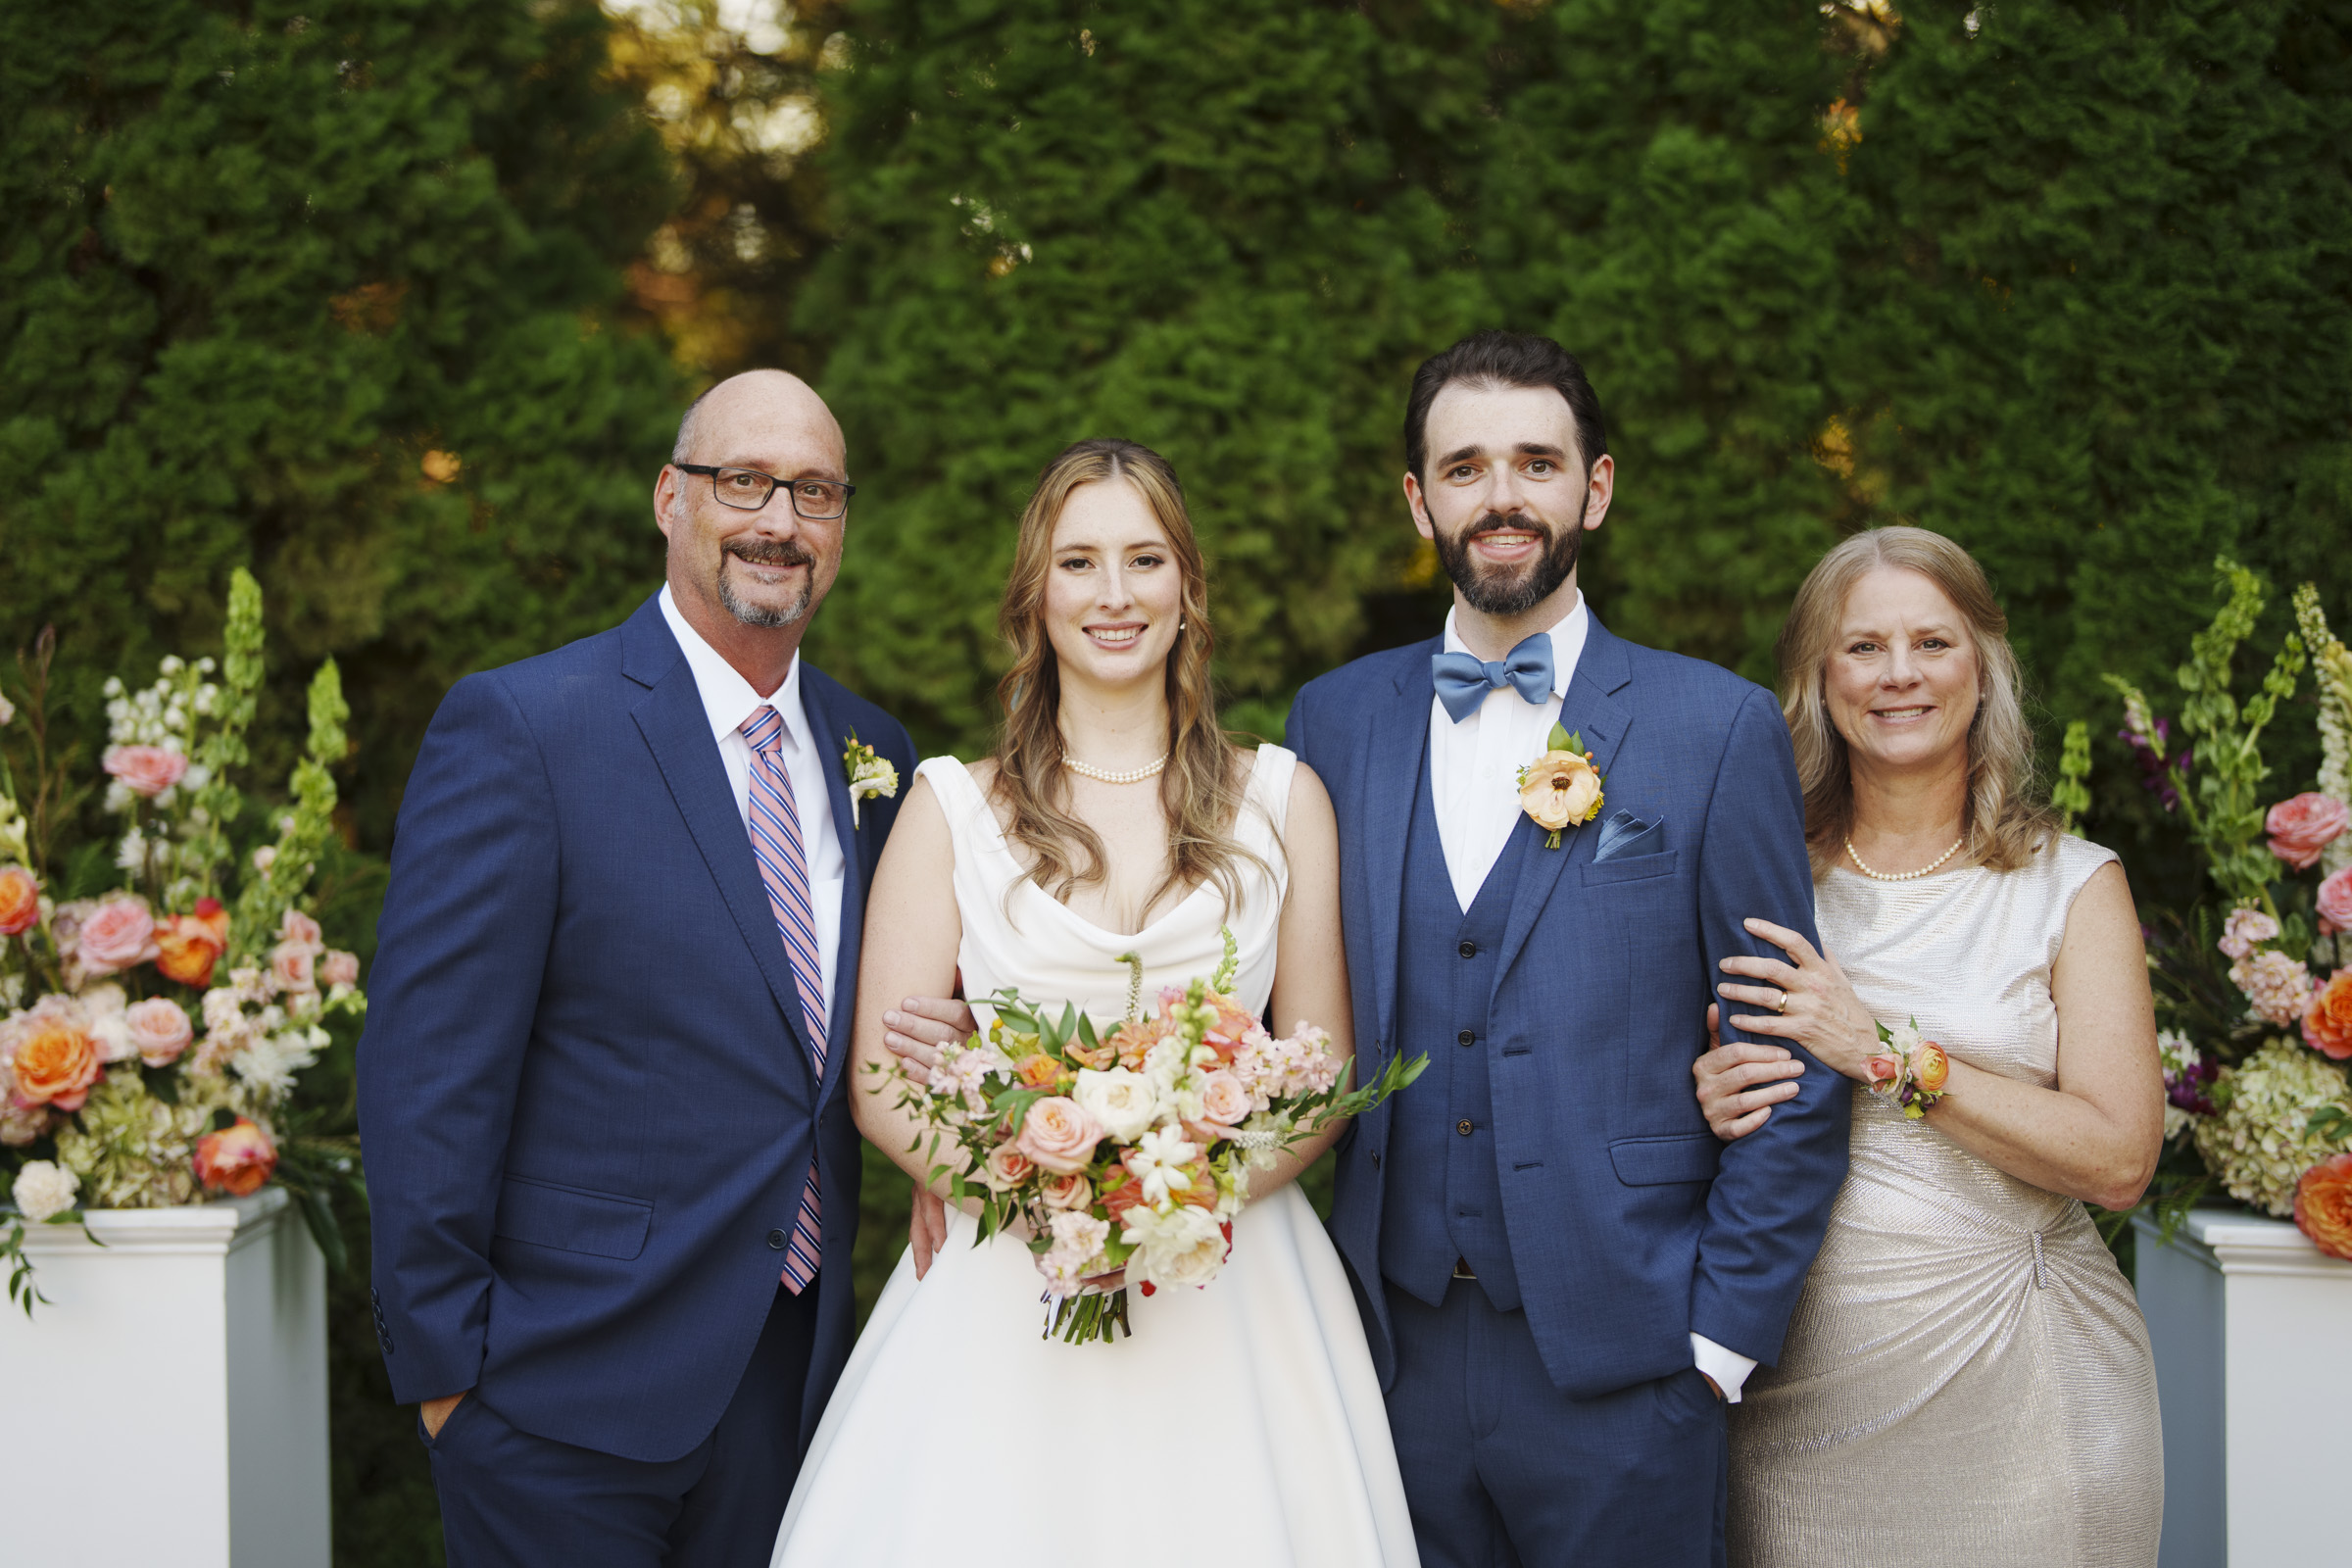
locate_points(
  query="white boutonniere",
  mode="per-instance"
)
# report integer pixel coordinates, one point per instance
(1559, 789)
(868, 773)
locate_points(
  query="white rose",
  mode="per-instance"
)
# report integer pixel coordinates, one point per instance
(44, 1190)
(1183, 1246)
(1124, 1102)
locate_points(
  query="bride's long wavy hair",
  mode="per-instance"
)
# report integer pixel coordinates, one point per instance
(1199, 790)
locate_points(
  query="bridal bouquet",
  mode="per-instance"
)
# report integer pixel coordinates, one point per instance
(157, 1005)
(1127, 1149)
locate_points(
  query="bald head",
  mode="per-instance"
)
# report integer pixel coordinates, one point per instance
(775, 399)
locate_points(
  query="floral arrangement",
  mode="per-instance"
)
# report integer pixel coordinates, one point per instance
(1908, 1070)
(2256, 1003)
(151, 1031)
(868, 773)
(1125, 1152)
(1559, 789)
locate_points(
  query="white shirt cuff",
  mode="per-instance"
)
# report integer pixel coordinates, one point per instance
(1729, 1368)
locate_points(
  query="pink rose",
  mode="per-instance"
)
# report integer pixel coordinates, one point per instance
(1067, 1194)
(148, 771)
(1223, 1100)
(119, 934)
(2336, 899)
(299, 930)
(339, 968)
(2301, 827)
(160, 1029)
(1059, 1134)
(293, 967)
(1008, 1167)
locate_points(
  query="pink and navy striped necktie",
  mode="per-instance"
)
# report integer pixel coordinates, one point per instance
(776, 823)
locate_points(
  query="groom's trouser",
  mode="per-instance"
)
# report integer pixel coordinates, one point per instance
(1502, 1470)
(512, 1499)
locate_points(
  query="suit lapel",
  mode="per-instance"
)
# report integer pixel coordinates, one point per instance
(1398, 737)
(672, 719)
(1594, 710)
(832, 738)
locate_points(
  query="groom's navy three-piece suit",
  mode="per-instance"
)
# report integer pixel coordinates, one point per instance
(1538, 1226)
(591, 1109)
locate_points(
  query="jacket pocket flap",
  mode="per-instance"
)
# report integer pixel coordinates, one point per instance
(1632, 867)
(572, 1220)
(1654, 1162)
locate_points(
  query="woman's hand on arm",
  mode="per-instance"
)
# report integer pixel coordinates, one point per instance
(1739, 1084)
(1310, 965)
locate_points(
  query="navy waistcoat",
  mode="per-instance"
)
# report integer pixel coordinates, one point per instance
(1445, 1199)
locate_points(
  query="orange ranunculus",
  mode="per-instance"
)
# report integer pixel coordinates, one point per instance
(2328, 1020)
(1929, 1067)
(237, 1159)
(20, 901)
(2323, 1205)
(56, 1064)
(1560, 789)
(1037, 1070)
(187, 947)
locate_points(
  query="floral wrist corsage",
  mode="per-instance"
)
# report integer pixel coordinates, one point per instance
(1908, 1070)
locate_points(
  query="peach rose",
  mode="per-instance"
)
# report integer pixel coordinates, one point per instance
(118, 935)
(1068, 1194)
(2328, 1021)
(1559, 790)
(186, 949)
(1223, 1100)
(1008, 1168)
(1882, 1068)
(2336, 899)
(160, 1029)
(299, 930)
(20, 901)
(55, 1063)
(294, 968)
(2323, 1205)
(1131, 1042)
(237, 1159)
(2301, 827)
(1059, 1134)
(148, 771)
(1929, 1067)
(339, 968)
(1038, 1069)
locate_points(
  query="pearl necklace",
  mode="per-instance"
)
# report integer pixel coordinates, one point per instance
(1103, 775)
(1903, 876)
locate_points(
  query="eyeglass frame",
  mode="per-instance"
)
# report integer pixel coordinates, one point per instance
(774, 484)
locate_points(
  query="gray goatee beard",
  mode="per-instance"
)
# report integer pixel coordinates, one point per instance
(776, 555)
(1495, 595)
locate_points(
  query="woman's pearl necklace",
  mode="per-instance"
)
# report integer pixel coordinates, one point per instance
(1903, 876)
(1103, 775)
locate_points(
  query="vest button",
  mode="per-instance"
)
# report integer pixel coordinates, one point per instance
(776, 1239)
(1468, 950)
(1467, 1037)
(1463, 1126)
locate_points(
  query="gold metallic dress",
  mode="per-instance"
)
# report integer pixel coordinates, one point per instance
(1967, 1378)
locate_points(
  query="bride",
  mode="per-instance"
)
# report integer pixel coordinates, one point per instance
(1240, 1420)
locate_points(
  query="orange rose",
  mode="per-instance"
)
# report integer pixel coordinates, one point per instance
(1037, 1070)
(2328, 1020)
(55, 1064)
(20, 901)
(187, 947)
(1559, 790)
(1929, 1067)
(2323, 1205)
(237, 1159)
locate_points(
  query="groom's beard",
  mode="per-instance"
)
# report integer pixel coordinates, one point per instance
(776, 554)
(1512, 590)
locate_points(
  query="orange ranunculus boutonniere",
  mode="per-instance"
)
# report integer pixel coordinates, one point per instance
(1559, 788)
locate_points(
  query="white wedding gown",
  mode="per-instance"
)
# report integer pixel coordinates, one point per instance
(1240, 1424)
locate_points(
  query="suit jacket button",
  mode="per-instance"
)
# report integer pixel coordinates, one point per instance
(1463, 1126)
(1468, 950)
(776, 1241)
(1468, 1037)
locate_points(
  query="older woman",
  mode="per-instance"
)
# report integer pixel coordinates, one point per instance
(1967, 1378)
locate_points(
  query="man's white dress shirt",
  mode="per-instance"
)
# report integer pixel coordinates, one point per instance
(1474, 785)
(727, 700)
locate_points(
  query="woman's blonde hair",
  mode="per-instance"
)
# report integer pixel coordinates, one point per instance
(1198, 789)
(2006, 819)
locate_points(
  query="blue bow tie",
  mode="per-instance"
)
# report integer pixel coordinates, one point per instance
(1463, 681)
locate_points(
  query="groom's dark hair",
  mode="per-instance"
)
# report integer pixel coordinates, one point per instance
(1496, 358)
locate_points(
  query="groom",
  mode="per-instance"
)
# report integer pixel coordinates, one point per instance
(614, 1176)
(1561, 1272)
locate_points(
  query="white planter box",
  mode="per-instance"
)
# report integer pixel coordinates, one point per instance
(2248, 1320)
(169, 1405)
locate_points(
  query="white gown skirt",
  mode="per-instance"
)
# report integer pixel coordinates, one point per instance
(1241, 1423)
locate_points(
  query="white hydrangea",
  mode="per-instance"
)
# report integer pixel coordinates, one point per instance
(2260, 1145)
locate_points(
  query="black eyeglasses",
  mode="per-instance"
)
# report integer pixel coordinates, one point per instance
(748, 490)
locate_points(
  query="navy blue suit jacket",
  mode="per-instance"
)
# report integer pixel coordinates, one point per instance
(584, 1094)
(1630, 1226)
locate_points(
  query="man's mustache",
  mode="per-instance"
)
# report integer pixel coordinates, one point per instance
(1502, 523)
(775, 553)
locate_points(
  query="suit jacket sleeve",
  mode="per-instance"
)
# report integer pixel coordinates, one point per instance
(1772, 1188)
(462, 947)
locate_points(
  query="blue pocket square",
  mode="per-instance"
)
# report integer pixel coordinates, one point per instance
(1625, 834)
